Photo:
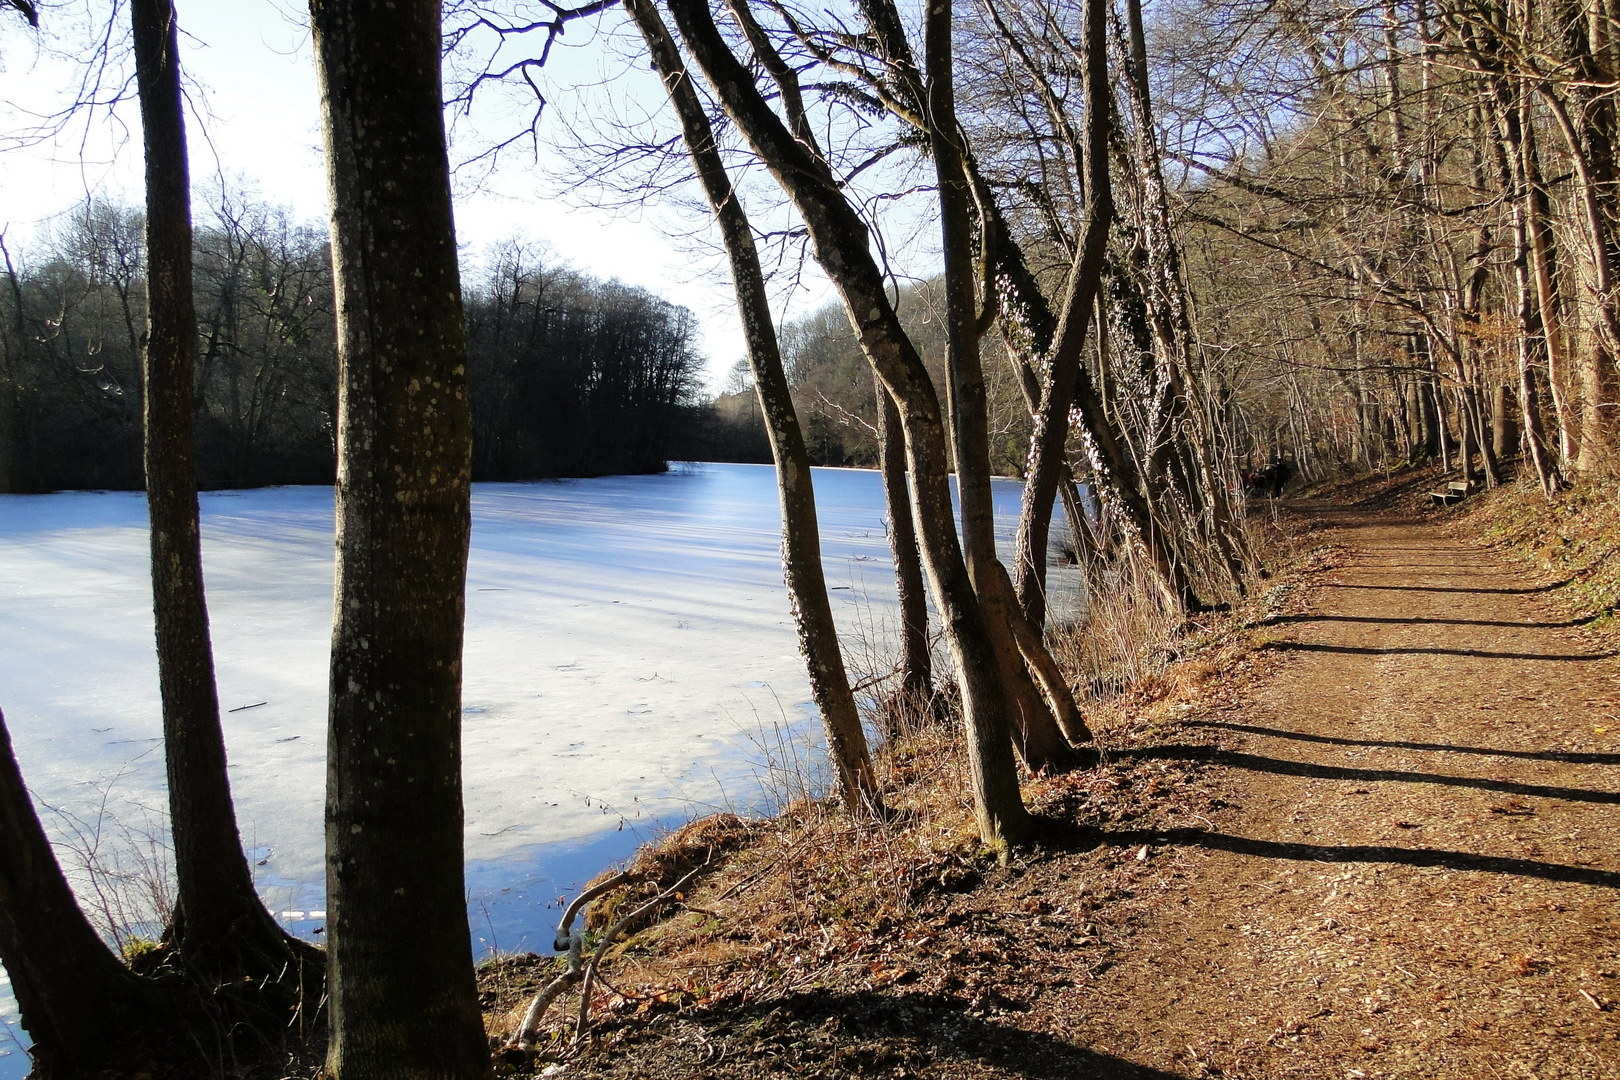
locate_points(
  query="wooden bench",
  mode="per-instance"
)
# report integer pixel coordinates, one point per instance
(1455, 491)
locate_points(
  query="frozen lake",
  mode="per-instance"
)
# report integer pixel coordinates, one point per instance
(625, 636)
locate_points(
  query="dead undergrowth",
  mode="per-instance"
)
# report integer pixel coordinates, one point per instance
(1352, 828)
(811, 917)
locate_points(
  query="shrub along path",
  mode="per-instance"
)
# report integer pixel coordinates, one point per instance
(1384, 840)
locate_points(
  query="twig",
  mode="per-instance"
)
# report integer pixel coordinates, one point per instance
(574, 943)
(607, 940)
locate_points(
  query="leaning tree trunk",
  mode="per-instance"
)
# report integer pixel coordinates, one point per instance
(1049, 442)
(916, 661)
(841, 242)
(403, 998)
(801, 535)
(81, 1006)
(1543, 256)
(1037, 737)
(1188, 432)
(220, 924)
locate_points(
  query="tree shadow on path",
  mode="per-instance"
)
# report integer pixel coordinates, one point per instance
(1526, 591)
(1286, 767)
(1061, 835)
(874, 1033)
(1567, 757)
(1432, 650)
(1394, 620)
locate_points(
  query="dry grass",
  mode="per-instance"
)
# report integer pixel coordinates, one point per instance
(1576, 535)
(780, 887)
(812, 898)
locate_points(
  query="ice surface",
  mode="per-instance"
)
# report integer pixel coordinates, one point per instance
(624, 635)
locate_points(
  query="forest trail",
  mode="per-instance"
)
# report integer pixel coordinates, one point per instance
(1420, 874)
(1380, 839)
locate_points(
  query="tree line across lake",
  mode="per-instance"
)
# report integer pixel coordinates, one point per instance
(570, 375)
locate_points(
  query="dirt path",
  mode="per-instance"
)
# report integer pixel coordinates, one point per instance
(1421, 872)
(1386, 845)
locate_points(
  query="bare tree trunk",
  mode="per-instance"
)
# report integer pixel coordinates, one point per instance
(1467, 438)
(1427, 417)
(916, 662)
(220, 923)
(1529, 326)
(1482, 433)
(1588, 118)
(1037, 735)
(1504, 432)
(80, 1004)
(14, 358)
(840, 240)
(801, 536)
(1542, 255)
(1049, 441)
(403, 997)
(1188, 438)
(1441, 428)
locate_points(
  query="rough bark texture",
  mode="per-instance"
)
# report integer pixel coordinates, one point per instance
(78, 1002)
(1543, 255)
(916, 662)
(840, 240)
(219, 919)
(801, 535)
(1591, 122)
(1050, 438)
(402, 995)
(1184, 432)
(1036, 733)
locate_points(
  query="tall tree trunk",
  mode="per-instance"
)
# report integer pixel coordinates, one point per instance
(1049, 441)
(1467, 439)
(840, 240)
(1531, 334)
(1188, 437)
(79, 1003)
(1037, 735)
(14, 358)
(1504, 431)
(916, 662)
(220, 923)
(1590, 123)
(801, 536)
(1542, 257)
(403, 997)
(1426, 411)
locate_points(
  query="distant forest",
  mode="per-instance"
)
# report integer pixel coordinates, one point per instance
(835, 397)
(570, 376)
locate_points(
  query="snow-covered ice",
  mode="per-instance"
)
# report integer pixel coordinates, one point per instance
(624, 634)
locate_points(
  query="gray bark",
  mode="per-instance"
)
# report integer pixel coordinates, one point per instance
(916, 661)
(220, 924)
(801, 535)
(403, 1000)
(840, 241)
(1037, 736)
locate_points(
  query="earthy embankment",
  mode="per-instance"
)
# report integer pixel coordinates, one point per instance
(1376, 833)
